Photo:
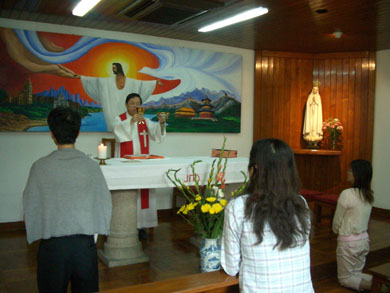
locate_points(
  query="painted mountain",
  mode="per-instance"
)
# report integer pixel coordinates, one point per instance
(200, 111)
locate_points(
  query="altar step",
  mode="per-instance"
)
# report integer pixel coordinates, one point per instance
(172, 256)
(213, 282)
(220, 282)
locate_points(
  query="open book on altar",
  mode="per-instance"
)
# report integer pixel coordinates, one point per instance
(142, 157)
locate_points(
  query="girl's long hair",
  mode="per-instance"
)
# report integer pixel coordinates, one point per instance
(362, 174)
(274, 194)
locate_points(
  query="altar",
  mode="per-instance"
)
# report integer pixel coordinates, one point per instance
(124, 177)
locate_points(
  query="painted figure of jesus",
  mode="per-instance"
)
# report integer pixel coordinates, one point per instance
(112, 91)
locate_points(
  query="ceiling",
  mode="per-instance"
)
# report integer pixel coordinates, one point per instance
(290, 25)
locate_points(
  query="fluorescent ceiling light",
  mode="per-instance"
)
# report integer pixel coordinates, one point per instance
(84, 6)
(234, 19)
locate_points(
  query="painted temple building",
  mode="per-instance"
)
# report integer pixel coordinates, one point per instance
(185, 112)
(206, 111)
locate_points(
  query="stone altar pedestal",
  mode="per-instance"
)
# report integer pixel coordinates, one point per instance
(122, 246)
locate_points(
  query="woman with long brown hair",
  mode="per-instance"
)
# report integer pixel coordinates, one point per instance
(266, 231)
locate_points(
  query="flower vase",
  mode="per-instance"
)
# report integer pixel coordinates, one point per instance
(210, 255)
(333, 144)
(333, 141)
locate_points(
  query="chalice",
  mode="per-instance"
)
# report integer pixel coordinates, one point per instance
(140, 110)
(163, 115)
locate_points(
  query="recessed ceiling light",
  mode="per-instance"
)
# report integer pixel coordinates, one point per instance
(84, 6)
(337, 34)
(322, 11)
(234, 19)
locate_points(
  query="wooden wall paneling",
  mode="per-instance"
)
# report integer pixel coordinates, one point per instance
(333, 89)
(281, 99)
(357, 114)
(278, 122)
(301, 85)
(270, 92)
(293, 100)
(287, 96)
(347, 85)
(296, 133)
(348, 127)
(364, 106)
(344, 113)
(345, 93)
(371, 98)
(339, 88)
(264, 89)
(341, 55)
(257, 120)
(338, 114)
(268, 95)
(287, 104)
(325, 90)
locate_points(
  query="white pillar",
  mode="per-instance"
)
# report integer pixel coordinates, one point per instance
(122, 246)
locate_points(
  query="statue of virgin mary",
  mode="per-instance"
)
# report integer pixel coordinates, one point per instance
(312, 126)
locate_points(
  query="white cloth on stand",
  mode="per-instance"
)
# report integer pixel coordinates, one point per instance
(105, 91)
(123, 174)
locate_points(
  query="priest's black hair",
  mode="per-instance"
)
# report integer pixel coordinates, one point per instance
(132, 96)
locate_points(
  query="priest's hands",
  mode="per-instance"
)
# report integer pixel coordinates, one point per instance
(137, 118)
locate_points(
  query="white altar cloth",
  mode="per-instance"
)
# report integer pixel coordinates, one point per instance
(124, 177)
(122, 174)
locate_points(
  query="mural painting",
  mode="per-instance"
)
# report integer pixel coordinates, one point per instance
(39, 71)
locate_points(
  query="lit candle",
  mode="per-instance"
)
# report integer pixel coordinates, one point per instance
(102, 151)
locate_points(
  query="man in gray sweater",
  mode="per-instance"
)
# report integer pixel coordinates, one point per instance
(66, 201)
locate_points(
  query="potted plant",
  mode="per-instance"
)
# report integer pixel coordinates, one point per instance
(204, 209)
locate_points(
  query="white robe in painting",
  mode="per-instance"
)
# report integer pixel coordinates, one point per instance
(125, 131)
(105, 91)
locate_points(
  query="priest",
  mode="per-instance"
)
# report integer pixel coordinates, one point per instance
(111, 91)
(133, 131)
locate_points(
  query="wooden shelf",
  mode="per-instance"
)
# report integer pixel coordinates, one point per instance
(319, 152)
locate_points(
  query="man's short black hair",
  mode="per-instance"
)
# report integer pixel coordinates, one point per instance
(132, 96)
(65, 124)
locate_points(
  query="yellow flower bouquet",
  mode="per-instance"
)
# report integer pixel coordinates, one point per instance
(204, 209)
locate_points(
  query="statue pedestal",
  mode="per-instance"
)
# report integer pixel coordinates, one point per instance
(312, 144)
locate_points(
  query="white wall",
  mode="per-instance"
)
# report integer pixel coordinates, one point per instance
(19, 150)
(381, 145)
